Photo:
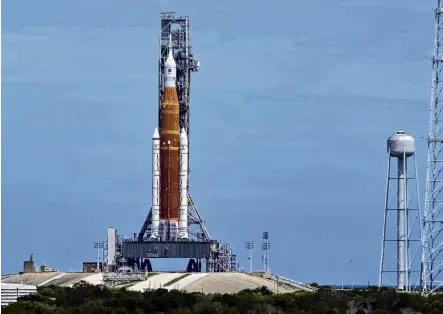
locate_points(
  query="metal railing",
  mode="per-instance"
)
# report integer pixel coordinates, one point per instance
(295, 284)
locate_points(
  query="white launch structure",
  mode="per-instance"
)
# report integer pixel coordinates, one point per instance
(111, 248)
(183, 175)
(403, 240)
(155, 184)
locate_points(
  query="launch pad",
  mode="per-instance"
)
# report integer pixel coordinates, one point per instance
(173, 227)
(140, 253)
(169, 249)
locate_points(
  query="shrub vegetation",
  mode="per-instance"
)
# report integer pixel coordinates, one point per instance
(85, 298)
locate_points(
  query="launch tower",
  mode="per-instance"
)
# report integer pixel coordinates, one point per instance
(177, 28)
(400, 253)
(174, 227)
(432, 257)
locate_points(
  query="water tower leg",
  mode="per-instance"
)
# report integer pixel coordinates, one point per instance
(401, 235)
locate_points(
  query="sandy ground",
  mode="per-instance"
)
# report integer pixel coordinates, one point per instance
(231, 283)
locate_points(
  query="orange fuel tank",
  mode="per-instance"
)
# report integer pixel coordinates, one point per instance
(169, 155)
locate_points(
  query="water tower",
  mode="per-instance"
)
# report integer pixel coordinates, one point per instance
(400, 254)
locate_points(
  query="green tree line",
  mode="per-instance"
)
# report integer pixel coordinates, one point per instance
(85, 298)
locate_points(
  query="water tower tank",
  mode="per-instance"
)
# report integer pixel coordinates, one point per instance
(400, 143)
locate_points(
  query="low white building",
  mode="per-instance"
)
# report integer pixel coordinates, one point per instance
(12, 291)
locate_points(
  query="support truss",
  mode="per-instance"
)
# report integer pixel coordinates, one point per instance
(196, 224)
(432, 238)
(400, 269)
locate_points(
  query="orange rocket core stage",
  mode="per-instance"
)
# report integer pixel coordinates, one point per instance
(169, 155)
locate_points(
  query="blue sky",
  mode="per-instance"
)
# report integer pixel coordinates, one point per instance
(290, 115)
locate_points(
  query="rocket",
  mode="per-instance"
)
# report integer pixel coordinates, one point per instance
(169, 164)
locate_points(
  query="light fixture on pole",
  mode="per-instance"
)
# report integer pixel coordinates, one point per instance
(99, 245)
(266, 246)
(249, 245)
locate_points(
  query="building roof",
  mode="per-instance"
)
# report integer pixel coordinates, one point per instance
(17, 285)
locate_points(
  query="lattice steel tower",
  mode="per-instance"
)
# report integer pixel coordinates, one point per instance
(177, 27)
(432, 238)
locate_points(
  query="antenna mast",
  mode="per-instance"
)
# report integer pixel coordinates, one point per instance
(432, 237)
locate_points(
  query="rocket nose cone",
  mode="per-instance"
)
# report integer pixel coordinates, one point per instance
(170, 61)
(156, 134)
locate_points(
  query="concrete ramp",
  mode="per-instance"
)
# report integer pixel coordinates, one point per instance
(155, 282)
(194, 282)
(46, 282)
(232, 283)
(30, 278)
(69, 279)
(95, 279)
(181, 284)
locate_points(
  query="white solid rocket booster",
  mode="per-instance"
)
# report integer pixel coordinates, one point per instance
(155, 183)
(183, 175)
